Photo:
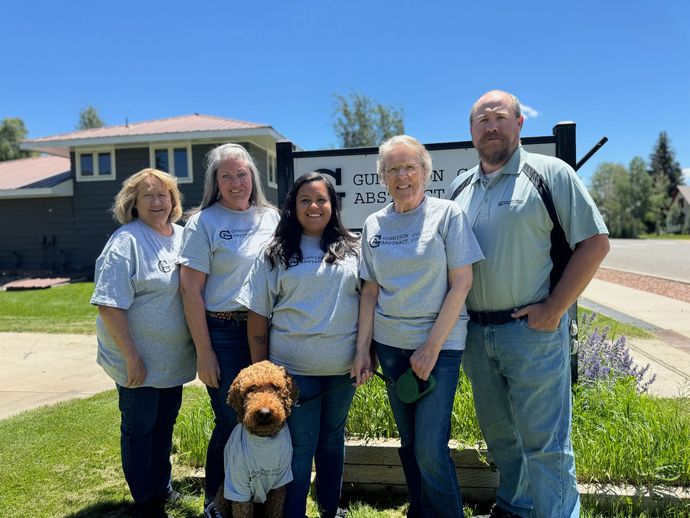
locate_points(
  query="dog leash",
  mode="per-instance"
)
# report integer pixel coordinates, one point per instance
(340, 386)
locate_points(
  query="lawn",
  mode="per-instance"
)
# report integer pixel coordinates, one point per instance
(63, 460)
(61, 309)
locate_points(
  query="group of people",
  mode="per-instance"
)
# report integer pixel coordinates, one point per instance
(429, 282)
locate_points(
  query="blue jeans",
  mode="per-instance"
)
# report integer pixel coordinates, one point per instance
(148, 417)
(317, 429)
(424, 429)
(229, 342)
(521, 383)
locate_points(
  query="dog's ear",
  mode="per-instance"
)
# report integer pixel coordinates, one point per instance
(292, 389)
(235, 399)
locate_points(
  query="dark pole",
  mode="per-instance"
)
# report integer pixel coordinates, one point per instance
(286, 169)
(566, 151)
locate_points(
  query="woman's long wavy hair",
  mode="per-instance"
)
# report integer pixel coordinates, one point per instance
(336, 242)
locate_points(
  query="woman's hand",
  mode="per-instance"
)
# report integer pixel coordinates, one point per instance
(208, 369)
(423, 361)
(362, 368)
(136, 370)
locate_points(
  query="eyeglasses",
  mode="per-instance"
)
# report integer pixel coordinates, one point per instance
(402, 168)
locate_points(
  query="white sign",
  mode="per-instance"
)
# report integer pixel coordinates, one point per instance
(361, 193)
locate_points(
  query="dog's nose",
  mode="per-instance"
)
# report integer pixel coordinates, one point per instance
(264, 414)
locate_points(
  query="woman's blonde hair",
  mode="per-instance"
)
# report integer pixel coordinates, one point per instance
(124, 210)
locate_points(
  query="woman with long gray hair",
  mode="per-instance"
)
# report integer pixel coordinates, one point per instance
(220, 242)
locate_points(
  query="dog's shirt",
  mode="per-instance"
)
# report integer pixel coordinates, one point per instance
(254, 465)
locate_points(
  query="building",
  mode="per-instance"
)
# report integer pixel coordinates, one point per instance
(678, 215)
(56, 209)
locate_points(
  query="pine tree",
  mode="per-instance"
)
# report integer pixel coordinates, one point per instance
(12, 132)
(89, 118)
(663, 162)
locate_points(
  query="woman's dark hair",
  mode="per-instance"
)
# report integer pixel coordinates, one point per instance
(337, 242)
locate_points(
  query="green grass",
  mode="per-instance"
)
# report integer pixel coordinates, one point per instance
(62, 309)
(64, 460)
(616, 328)
(665, 236)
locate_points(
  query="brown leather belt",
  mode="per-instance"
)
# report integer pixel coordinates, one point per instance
(238, 316)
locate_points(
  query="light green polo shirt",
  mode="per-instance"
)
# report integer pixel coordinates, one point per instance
(513, 228)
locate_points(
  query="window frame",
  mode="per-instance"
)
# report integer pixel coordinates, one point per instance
(170, 148)
(271, 167)
(94, 152)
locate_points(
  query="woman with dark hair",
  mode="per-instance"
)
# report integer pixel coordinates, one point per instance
(307, 283)
(220, 243)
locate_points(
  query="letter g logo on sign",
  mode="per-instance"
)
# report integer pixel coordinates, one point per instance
(375, 241)
(225, 234)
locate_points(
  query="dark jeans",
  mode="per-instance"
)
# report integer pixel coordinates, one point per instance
(424, 429)
(317, 429)
(229, 342)
(148, 416)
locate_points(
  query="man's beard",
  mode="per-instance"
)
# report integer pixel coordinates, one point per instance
(496, 156)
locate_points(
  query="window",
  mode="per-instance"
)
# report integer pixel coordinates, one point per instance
(175, 159)
(95, 165)
(272, 172)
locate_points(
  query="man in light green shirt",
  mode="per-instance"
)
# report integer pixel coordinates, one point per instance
(518, 347)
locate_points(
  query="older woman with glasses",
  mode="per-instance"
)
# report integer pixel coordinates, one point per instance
(416, 264)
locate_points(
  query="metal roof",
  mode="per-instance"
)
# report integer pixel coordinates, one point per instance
(33, 172)
(197, 125)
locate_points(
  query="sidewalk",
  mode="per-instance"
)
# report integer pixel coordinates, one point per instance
(668, 319)
(38, 369)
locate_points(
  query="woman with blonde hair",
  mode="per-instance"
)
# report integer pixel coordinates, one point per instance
(221, 240)
(143, 340)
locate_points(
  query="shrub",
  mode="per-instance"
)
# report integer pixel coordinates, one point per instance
(603, 359)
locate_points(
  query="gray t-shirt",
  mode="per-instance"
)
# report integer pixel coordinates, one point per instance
(408, 255)
(254, 465)
(136, 272)
(314, 307)
(513, 228)
(223, 243)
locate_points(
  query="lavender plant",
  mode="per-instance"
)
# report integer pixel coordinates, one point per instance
(601, 358)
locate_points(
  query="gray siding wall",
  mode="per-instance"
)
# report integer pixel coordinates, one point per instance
(37, 235)
(75, 229)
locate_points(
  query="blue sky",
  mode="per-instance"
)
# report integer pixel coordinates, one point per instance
(618, 68)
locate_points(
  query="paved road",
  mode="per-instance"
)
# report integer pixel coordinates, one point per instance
(664, 257)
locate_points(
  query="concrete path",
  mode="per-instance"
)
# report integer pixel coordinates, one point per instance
(38, 369)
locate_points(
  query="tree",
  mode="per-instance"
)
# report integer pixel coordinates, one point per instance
(610, 191)
(89, 118)
(638, 195)
(361, 121)
(663, 162)
(12, 132)
(659, 202)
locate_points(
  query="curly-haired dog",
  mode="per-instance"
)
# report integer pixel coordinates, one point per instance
(259, 451)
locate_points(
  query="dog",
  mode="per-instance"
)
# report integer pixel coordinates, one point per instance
(259, 452)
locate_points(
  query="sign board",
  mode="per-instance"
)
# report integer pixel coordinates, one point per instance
(353, 172)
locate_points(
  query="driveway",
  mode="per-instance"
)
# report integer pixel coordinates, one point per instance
(663, 257)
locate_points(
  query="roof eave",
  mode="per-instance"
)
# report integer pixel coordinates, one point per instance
(43, 146)
(61, 190)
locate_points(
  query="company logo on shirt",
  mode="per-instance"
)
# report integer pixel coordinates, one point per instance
(242, 233)
(512, 203)
(399, 239)
(310, 259)
(164, 266)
